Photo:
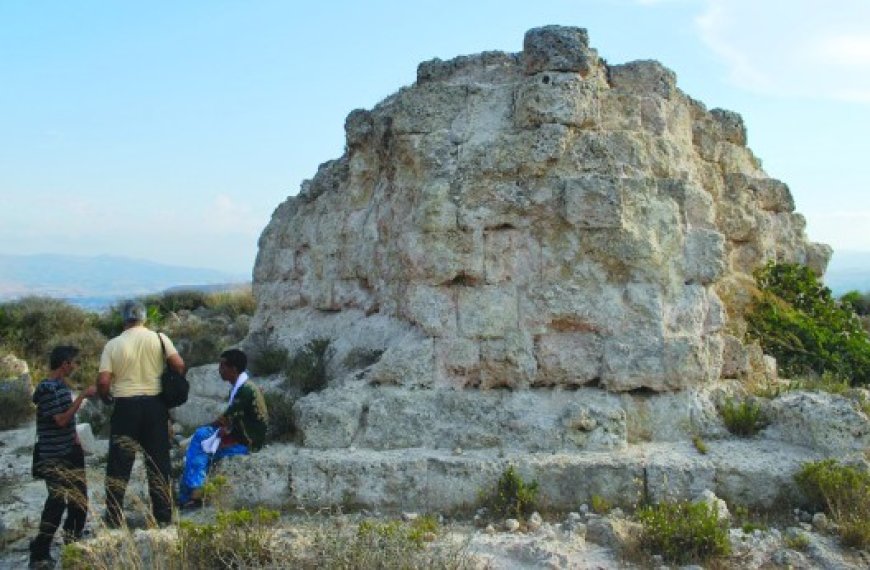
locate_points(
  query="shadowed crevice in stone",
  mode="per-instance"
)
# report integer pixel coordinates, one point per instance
(361, 426)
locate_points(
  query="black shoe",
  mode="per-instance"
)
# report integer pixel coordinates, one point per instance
(192, 505)
(42, 563)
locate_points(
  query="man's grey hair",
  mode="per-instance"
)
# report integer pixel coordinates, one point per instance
(133, 311)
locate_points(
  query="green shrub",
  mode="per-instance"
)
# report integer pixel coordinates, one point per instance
(844, 493)
(700, 445)
(306, 370)
(683, 532)
(859, 302)
(237, 539)
(796, 320)
(280, 406)
(232, 303)
(600, 505)
(797, 541)
(266, 357)
(15, 403)
(512, 496)
(32, 326)
(744, 418)
(421, 527)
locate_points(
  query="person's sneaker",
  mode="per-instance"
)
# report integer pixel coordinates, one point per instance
(42, 564)
(192, 505)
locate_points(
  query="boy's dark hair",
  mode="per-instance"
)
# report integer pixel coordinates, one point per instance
(235, 358)
(61, 354)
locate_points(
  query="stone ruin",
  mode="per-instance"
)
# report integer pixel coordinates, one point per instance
(519, 258)
(530, 220)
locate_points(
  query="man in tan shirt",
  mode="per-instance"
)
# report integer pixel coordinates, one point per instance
(130, 369)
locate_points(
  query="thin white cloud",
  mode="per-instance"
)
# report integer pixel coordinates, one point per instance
(846, 50)
(225, 214)
(798, 48)
(842, 229)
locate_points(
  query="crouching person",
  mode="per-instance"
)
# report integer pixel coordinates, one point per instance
(240, 430)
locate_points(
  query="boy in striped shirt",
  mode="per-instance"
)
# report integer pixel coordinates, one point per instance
(58, 457)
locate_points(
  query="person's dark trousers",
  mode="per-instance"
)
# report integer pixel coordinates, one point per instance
(142, 420)
(67, 491)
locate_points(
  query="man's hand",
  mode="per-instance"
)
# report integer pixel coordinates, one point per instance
(104, 385)
(90, 392)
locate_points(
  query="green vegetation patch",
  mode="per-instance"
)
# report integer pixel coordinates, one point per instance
(512, 496)
(744, 418)
(843, 492)
(683, 532)
(237, 539)
(796, 320)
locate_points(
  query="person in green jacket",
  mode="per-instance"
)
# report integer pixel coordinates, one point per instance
(240, 430)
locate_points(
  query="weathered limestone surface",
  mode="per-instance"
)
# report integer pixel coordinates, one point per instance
(746, 473)
(532, 259)
(539, 219)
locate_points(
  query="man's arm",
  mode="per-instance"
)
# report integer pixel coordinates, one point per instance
(63, 419)
(176, 363)
(104, 384)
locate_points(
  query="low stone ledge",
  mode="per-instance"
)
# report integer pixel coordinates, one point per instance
(746, 472)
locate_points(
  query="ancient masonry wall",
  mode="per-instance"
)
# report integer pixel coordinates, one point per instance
(529, 220)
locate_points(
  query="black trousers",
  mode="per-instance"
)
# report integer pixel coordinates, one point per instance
(139, 422)
(67, 491)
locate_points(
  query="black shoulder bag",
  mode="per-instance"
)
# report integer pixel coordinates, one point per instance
(174, 387)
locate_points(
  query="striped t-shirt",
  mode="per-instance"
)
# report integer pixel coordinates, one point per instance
(52, 396)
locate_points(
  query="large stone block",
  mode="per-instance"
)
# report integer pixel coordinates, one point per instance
(557, 48)
(704, 258)
(488, 311)
(563, 98)
(508, 361)
(431, 308)
(594, 201)
(569, 358)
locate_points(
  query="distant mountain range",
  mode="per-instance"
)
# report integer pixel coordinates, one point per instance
(849, 271)
(97, 282)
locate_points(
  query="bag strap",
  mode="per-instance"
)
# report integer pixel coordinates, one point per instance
(162, 346)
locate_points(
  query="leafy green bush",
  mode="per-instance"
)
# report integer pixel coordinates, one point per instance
(700, 445)
(600, 505)
(744, 418)
(32, 326)
(859, 302)
(265, 356)
(15, 403)
(237, 539)
(512, 496)
(796, 320)
(280, 406)
(844, 493)
(797, 541)
(306, 370)
(683, 532)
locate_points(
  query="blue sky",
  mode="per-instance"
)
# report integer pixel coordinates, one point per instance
(169, 130)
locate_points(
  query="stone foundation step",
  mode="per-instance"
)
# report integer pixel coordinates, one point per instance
(755, 473)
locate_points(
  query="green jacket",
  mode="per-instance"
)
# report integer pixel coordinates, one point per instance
(247, 418)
